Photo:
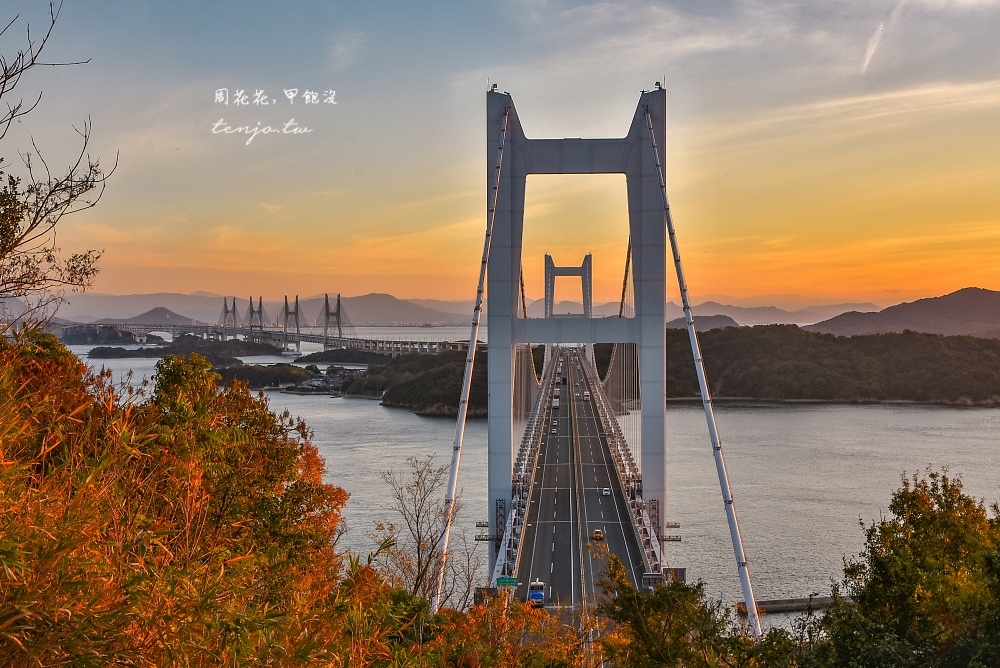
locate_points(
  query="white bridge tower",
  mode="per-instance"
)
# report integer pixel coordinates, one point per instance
(646, 327)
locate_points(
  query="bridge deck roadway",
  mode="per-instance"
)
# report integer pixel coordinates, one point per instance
(567, 502)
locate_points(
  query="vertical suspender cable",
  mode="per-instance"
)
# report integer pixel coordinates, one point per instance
(706, 399)
(463, 403)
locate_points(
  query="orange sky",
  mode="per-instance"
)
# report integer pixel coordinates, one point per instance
(810, 152)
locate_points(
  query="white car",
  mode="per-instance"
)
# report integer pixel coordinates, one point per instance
(555, 431)
(606, 491)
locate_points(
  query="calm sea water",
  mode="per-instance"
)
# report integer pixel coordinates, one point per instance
(802, 475)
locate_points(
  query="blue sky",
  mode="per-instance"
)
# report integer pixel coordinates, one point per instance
(800, 133)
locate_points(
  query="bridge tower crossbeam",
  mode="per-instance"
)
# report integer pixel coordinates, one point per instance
(646, 327)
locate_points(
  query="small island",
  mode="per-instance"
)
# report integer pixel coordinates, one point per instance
(427, 384)
(189, 343)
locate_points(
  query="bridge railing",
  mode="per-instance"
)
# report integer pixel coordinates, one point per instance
(522, 480)
(278, 335)
(629, 475)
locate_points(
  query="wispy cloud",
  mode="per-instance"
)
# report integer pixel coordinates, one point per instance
(850, 114)
(345, 48)
(880, 31)
(959, 4)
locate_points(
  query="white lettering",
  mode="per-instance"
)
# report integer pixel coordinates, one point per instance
(289, 128)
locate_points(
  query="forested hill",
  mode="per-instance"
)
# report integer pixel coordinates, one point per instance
(768, 362)
(783, 362)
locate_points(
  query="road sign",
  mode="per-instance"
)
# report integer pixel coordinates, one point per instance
(506, 582)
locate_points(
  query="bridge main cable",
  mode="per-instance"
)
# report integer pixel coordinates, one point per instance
(463, 402)
(706, 398)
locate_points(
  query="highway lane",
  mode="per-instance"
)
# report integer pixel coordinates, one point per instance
(610, 513)
(567, 502)
(550, 533)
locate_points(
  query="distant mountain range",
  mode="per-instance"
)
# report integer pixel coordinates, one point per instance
(372, 309)
(969, 311)
(155, 316)
(93, 307)
(383, 309)
(770, 315)
(973, 311)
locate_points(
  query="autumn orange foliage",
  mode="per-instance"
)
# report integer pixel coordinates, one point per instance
(190, 527)
(188, 524)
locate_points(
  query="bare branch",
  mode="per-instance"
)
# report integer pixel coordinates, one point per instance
(33, 274)
(24, 60)
(414, 559)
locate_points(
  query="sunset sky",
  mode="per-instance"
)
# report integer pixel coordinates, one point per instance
(817, 152)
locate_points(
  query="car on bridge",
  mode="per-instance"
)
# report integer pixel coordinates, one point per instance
(606, 491)
(536, 593)
(598, 534)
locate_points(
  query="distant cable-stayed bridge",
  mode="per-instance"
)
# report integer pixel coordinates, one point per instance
(285, 332)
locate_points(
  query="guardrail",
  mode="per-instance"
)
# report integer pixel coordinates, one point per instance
(280, 336)
(629, 476)
(522, 480)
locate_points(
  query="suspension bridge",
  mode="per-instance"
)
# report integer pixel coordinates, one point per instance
(578, 458)
(576, 454)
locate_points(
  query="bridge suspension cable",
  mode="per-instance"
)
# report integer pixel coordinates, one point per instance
(706, 397)
(625, 281)
(524, 300)
(463, 403)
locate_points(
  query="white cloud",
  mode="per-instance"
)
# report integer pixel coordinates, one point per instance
(852, 114)
(346, 47)
(876, 38)
(958, 3)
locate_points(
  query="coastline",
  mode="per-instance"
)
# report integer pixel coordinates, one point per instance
(847, 402)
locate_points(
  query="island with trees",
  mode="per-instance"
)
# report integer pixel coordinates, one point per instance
(775, 363)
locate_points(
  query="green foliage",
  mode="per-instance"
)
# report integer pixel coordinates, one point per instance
(265, 375)
(772, 363)
(783, 362)
(675, 625)
(346, 356)
(427, 383)
(925, 588)
(219, 353)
